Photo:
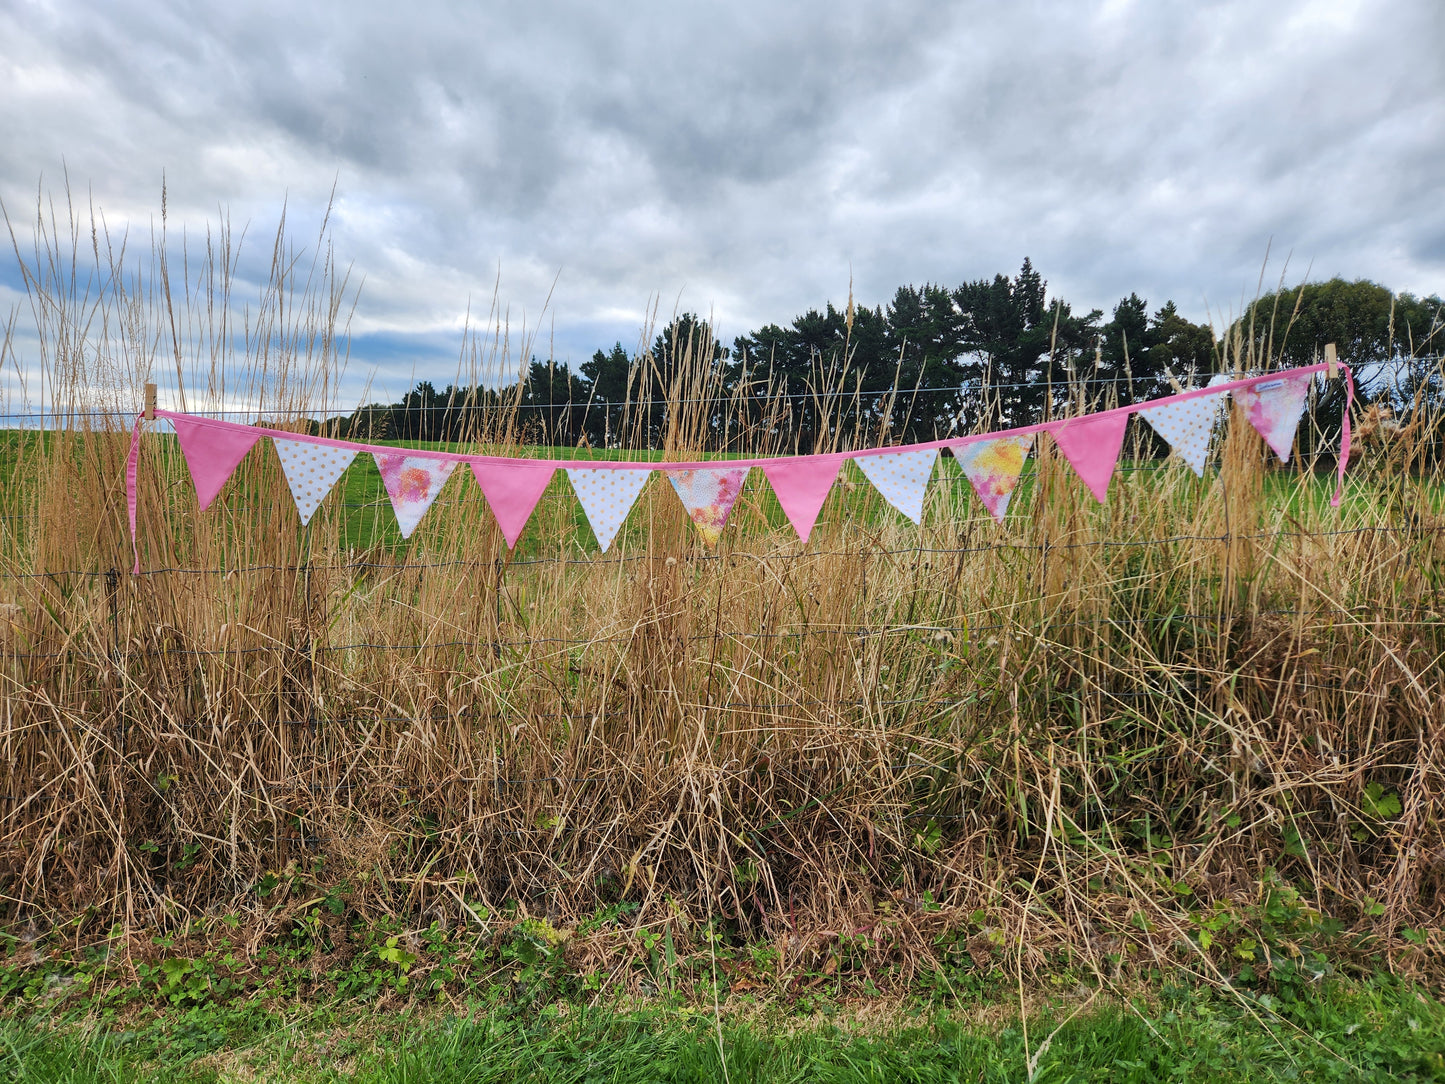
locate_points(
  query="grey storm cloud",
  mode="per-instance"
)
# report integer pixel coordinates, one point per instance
(749, 159)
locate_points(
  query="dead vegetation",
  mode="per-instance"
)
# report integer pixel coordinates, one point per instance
(1088, 731)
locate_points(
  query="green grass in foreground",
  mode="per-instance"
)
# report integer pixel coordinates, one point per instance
(1374, 1031)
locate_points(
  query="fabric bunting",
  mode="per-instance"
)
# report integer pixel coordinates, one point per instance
(802, 485)
(1091, 444)
(993, 468)
(606, 497)
(512, 490)
(212, 453)
(1188, 426)
(311, 470)
(1274, 408)
(993, 463)
(902, 478)
(412, 482)
(708, 496)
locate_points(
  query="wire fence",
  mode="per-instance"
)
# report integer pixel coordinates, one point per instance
(1412, 532)
(1356, 616)
(800, 706)
(506, 397)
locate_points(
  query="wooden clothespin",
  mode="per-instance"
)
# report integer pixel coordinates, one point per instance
(1332, 362)
(150, 411)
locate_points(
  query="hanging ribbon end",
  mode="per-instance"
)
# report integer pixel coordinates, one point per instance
(130, 494)
(1344, 456)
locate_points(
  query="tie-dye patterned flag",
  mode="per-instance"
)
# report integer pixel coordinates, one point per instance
(606, 497)
(412, 482)
(708, 496)
(1188, 426)
(902, 478)
(993, 468)
(311, 470)
(1274, 408)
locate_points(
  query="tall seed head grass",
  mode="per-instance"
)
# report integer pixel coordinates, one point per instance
(1069, 736)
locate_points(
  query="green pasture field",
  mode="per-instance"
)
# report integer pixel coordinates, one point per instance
(363, 495)
(365, 521)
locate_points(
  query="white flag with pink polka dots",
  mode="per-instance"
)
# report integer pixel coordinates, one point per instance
(311, 470)
(606, 497)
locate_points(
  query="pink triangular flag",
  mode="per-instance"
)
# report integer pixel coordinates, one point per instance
(606, 495)
(1091, 445)
(802, 485)
(901, 477)
(1274, 408)
(212, 452)
(994, 467)
(708, 496)
(412, 482)
(512, 490)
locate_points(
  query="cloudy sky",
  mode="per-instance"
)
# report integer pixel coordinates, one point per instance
(743, 159)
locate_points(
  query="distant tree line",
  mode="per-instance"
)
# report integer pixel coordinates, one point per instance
(933, 361)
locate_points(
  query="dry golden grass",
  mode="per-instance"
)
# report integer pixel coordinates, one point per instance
(1072, 732)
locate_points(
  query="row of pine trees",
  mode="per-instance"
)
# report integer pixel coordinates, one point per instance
(934, 361)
